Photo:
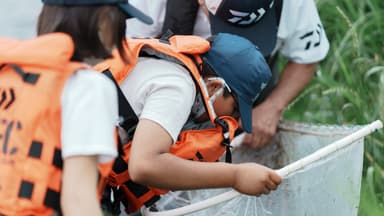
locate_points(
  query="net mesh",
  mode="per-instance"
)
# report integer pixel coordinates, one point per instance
(330, 186)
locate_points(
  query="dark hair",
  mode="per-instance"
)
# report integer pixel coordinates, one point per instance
(82, 23)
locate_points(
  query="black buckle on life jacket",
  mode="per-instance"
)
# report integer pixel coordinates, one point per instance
(226, 141)
(165, 37)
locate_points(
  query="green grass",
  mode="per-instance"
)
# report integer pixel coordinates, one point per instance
(349, 85)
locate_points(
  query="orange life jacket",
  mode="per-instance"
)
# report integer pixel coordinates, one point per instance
(200, 145)
(32, 76)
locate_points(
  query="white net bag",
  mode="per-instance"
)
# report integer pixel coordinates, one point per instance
(328, 186)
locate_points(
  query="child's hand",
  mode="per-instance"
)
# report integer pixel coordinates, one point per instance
(255, 179)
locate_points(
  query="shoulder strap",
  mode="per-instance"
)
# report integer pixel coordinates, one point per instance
(128, 119)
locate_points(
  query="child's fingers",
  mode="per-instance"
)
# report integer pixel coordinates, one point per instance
(271, 185)
(275, 178)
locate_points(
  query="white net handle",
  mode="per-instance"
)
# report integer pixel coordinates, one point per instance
(283, 172)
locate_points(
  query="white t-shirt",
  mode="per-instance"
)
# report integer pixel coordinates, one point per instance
(153, 8)
(89, 116)
(160, 91)
(301, 36)
(300, 27)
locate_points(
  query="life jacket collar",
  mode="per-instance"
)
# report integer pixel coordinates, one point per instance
(38, 51)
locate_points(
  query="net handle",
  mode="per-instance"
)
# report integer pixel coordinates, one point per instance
(283, 172)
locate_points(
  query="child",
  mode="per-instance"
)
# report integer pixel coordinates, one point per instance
(164, 89)
(57, 119)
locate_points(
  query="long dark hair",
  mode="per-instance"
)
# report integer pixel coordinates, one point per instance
(82, 23)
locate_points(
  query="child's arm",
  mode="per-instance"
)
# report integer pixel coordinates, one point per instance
(151, 164)
(79, 189)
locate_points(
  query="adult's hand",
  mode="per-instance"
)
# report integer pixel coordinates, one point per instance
(266, 115)
(265, 119)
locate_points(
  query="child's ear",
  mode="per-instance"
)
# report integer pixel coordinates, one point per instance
(213, 86)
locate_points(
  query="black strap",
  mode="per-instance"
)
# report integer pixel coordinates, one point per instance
(226, 141)
(111, 207)
(128, 119)
(140, 190)
(120, 166)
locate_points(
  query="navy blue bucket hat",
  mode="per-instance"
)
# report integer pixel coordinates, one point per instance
(124, 5)
(241, 64)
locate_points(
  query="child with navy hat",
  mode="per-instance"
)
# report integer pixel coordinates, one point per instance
(164, 96)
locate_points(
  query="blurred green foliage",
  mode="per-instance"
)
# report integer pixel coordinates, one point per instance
(348, 87)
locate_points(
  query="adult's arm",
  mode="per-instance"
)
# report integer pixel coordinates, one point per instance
(266, 115)
(304, 43)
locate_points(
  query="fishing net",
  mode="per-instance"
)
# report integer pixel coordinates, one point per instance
(330, 186)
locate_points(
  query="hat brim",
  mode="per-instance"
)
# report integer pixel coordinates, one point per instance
(245, 110)
(263, 33)
(135, 13)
